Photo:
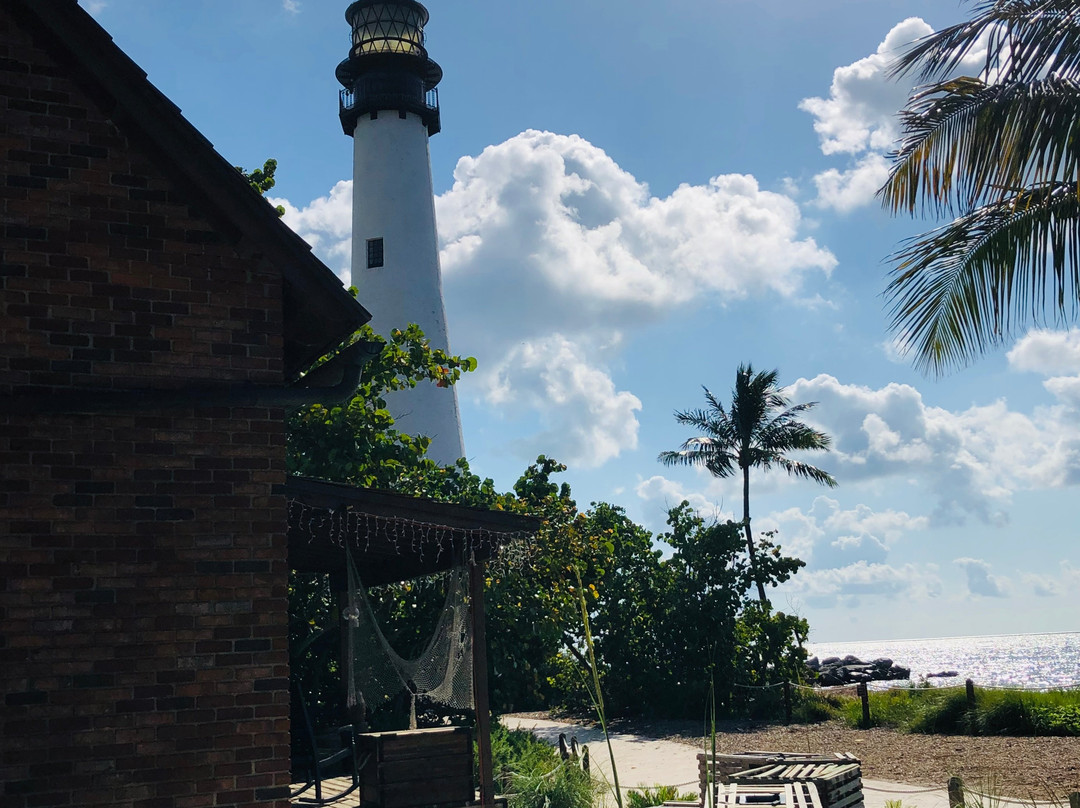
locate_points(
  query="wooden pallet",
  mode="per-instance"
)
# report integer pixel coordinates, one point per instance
(720, 768)
(839, 784)
(778, 795)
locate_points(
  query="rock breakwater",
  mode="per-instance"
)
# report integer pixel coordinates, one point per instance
(848, 670)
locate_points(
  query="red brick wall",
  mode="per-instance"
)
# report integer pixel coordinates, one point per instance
(143, 630)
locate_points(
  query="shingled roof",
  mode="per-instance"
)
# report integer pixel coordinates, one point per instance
(318, 311)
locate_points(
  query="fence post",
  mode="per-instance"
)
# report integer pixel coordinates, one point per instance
(787, 702)
(864, 694)
(970, 685)
(1074, 800)
(956, 792)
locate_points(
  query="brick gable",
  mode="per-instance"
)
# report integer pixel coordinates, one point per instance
(143, 574)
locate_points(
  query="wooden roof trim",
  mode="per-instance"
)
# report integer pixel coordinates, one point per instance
(392, 505)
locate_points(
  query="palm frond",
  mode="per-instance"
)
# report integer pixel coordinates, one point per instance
(1023, 40)
(965, 286)
(715, 425)
(968, 143)
(701, 452)
(805, 471)
(787, 435)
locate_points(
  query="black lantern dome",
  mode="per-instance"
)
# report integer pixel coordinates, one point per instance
(388, 66)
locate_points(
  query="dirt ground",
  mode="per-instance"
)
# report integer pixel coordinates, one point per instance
(1026, 768)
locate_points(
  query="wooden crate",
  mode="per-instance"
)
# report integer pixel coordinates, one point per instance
(776, 795)
(723, 766)
(413, 768)
(838, 783)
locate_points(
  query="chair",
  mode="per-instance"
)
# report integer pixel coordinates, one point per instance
(320, 756)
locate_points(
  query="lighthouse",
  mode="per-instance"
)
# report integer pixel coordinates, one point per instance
(390, 107)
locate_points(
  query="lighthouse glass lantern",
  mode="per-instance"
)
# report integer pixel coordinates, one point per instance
(388, 66)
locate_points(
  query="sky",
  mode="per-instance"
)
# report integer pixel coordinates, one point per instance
(635, 198)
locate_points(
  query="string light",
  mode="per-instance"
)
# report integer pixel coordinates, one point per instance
(357, 528)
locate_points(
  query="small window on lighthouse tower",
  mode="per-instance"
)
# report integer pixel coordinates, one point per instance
(374, 253)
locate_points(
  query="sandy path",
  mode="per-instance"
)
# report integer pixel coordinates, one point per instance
(643, 762)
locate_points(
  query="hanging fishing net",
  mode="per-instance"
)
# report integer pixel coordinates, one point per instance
(377, 674)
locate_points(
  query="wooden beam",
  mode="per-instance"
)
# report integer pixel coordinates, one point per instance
(481, 701)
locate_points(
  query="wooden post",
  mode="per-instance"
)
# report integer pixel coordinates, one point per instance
(864, 694)
(956, 792)
(1074, 800)
(480, 685)
(970, 686)
(787, 702)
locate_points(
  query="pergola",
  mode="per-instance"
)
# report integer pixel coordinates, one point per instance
(394, 537)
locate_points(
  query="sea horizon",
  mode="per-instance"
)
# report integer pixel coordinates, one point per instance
(943, 637)
(1036, 660)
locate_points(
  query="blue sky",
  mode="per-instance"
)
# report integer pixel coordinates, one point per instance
(634, 198)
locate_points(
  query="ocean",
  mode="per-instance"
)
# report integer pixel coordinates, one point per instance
(1032, 661)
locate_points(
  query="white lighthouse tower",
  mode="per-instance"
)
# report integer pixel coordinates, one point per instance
(390, 106)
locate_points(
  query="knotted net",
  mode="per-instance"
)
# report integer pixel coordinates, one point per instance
(377, 674)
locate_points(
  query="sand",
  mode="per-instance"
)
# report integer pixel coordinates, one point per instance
(1039, 769)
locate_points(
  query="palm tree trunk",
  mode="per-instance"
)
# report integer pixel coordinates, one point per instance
(754, 571)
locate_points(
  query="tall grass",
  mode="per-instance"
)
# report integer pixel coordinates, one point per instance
(531, 774)
(595, 692)
(946, 711)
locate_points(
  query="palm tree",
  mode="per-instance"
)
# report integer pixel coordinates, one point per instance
(999, 152)
(756, 432)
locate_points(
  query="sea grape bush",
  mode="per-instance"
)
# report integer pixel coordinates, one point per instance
(663, 627)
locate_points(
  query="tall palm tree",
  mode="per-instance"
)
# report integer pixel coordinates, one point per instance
(755, 432)
(1000, 153)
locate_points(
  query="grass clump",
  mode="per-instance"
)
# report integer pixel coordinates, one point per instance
(532, 775)
(813, 707)
(657, 795)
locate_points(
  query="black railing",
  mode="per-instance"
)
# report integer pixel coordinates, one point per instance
(348, 101)
(353, 104)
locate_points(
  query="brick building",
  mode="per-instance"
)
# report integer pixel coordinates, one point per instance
(154, 318)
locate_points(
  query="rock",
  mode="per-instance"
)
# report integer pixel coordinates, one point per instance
(942, 675)
(813, 664)
(827, 661)
(851, 659)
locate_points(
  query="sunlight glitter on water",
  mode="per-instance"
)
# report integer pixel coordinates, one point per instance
(1038, 661)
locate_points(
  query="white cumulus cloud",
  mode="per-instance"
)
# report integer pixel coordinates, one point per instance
(550, 251)
(669, 493)
(859, 117)
(326, 224)
(969, 462)
(1050, 353)
(860, 112)
(846, 190)
(828, 536)
(585, 420)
